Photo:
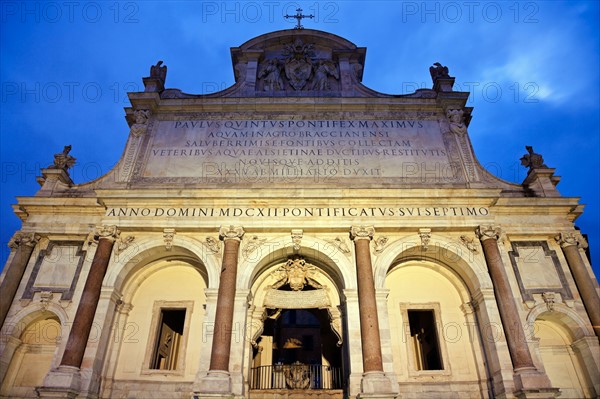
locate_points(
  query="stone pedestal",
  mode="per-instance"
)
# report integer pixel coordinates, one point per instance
(530, 383)
(63, 382)
(216, 384)
(376, 385)
(542, 182)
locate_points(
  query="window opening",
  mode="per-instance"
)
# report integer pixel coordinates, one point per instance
(424, 338)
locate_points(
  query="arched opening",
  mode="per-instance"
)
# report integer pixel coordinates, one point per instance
(156, 337)
(32, 358)
(561, 359)
(435, 332)
(297, 332)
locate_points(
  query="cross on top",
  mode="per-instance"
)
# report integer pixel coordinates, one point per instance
(299, 17)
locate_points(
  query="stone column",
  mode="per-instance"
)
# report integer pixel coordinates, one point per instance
(374, 381)
(570, 243)
(23, 244)
(65, 381)
(218, 381)
(86, 310)
(527, 378)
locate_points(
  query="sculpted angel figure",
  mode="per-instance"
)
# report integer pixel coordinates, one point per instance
(457, 121)
(271, 74)
(323, 70)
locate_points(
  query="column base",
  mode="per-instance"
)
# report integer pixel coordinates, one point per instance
(62, 382)
(533, 384)
(216, 384)
(376, 385)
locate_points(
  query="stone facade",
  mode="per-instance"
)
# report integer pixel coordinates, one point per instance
(299, 203)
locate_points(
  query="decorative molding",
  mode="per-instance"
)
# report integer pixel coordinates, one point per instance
(487, 232)
(20, 238)
(527, 293)
(468, 308)
(231, 233)
(46, 299)
(67, 293)
(251, 245)
(257, 325)
(213, 245)
(425, 235)
(340, 244)
(568, 238)
(335, 321)
(548, 298)
(278, 299)
(362, 232)
(297, 238)
(169, 235)
(380, 243)
(122, 243)
(470, 243)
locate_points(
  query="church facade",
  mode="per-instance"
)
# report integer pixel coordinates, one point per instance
(299, 235)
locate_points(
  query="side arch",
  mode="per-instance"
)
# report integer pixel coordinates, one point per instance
(29, 350)
(153, 249)
(564, 316)
(471, 268)
(566, 348)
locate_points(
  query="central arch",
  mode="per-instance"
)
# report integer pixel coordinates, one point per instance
(296, 330)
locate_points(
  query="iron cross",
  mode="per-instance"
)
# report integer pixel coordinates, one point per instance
(299, 17)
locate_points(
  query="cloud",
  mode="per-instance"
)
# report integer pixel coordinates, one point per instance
(547, 65)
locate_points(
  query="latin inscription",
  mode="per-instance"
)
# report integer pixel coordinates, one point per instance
(237, 151)
(298, 212)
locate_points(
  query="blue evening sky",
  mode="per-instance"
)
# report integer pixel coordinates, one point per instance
(531, 68)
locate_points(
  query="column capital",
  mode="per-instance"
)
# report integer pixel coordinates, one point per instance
(486, 232)
(231, 233)
(568, 238)
(20, 238)
(107, 232)
(362, 233)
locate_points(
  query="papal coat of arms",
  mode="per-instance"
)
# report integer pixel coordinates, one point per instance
(298, 64)
(297, 273)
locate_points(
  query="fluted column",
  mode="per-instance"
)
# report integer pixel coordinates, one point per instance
(105, 237)
(374, 382)
(529, 382)
(23, 245)
(570, 242)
